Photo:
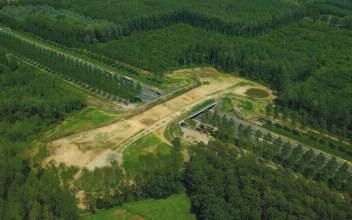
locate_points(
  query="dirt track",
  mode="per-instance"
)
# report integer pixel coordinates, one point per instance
(84, 149)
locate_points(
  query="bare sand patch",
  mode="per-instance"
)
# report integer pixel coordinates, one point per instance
(194, 136)
(104, 159)
(70, 155)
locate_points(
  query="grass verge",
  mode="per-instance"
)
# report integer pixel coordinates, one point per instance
(172, 131)
(335, 148)
(89, 117)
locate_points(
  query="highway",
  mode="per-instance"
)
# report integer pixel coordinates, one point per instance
(294, 143)
(148, 92)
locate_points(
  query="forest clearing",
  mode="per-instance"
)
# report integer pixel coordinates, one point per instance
(92, 144)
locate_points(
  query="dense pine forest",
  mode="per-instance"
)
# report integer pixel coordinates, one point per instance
(247, 189)
(56, 53)
(308, 163)
(293, 46)
(145, 15)
(70, 28)
(31, 102)
(308, 63)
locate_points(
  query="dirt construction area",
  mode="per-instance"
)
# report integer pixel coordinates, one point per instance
(97, 147)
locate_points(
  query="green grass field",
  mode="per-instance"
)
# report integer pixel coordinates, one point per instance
(247, 107)
(176, 207)
(149, 144)
(172, 131)
(201, 106)
(89, 117)
(225, 105)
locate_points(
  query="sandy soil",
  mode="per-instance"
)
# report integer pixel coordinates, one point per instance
(90, 148)
(194, 136)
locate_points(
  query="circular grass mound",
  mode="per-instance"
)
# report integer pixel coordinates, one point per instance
(257, 93)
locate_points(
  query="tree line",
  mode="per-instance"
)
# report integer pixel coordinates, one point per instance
(294, 121)
(123, 68)
(306, 162)
(78, 71)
